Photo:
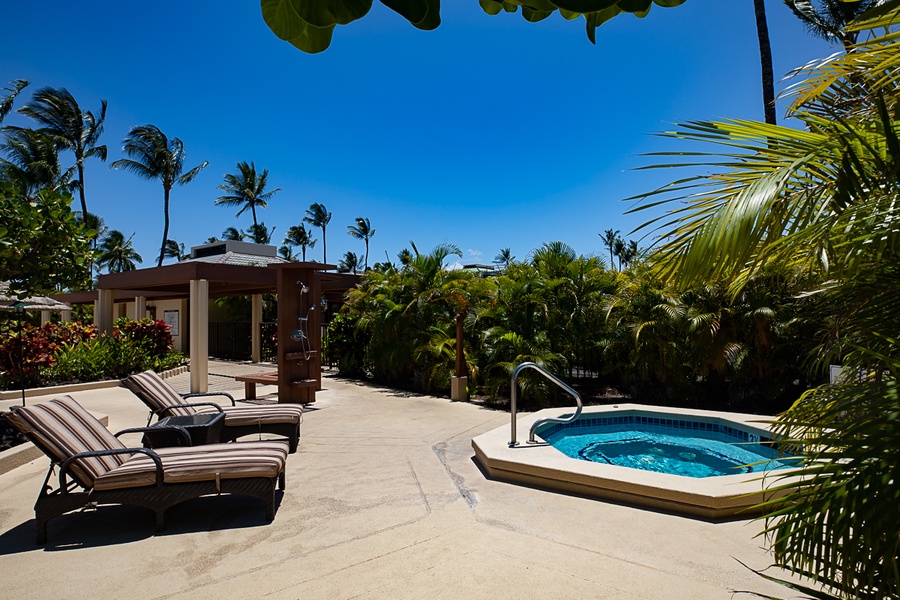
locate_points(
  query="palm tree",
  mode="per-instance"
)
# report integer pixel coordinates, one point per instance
(286, 253)
(298, 235)
(765, 59)
(246, 189)
(350, 263)
(504, 258)
(175, 250)
(32, 161)
(619, 248)
(234, 234)
(362, 231)
(609, 240)
(318, 216)
(70, 127)
(819, 200)
(117, 254)
(259, 234)
(152, 155)
(630, 253)
(6, 102)
(830, 18)
(94, 223)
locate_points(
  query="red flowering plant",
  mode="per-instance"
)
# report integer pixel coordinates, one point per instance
(25, 354)
(154, 336)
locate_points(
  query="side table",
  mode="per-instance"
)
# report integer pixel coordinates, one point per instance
(203, 428)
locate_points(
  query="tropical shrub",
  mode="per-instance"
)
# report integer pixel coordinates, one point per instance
(154, 336)
(70, 352)
(345, 345)
(25, 351)
(820, 200)
(107, 357)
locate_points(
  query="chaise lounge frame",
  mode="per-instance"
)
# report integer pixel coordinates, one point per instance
(160, 398)
(74, 492)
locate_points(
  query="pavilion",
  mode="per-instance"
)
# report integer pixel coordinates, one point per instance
(216, 270)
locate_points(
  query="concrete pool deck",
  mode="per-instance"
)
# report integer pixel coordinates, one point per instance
(383, 500)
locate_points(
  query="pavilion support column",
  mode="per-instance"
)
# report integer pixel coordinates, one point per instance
(199, 323)
(103, 311)
(256, 308)
(140, 307)
(65, 316)
(45, 317)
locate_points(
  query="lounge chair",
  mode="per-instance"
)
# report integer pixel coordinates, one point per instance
(164, 401)
(110, 473)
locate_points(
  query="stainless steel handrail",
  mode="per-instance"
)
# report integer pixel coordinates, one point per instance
(514, 393)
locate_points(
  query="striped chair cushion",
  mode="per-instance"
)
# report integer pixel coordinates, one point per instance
(63, 428)
(239, 416)
(200, 463)
(157, 394)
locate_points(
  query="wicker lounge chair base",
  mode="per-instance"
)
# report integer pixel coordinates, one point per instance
(57, 503)
(96, 468)
(287, 430)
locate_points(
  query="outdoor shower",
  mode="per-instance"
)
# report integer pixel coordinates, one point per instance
(301, 333)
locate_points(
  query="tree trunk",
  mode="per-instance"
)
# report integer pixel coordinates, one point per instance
(765, 58)
(84, 211)
(162, 249)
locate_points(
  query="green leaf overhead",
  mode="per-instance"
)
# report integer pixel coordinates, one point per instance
(423, 14)
(333, 12)
(309, 24)
(284, 22)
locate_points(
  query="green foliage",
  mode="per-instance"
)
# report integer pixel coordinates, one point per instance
(309, 24)
(109, 357)
(154, 336)
(838, 524)
(346, 345)
(23, 355)
(819, 200)
(697, 346)
(71, 352)
(42, 246)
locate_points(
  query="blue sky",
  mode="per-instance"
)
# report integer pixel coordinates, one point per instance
(488, 133)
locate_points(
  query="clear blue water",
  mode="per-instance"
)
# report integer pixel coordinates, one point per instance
(667, 450)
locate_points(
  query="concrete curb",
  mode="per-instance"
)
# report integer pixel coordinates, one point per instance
(79, 387)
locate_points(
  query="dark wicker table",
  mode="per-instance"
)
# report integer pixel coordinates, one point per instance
(203, 429)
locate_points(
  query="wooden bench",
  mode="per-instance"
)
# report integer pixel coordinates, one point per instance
(250, 380)
(266, 378)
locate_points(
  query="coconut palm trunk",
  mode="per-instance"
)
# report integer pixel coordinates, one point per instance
(162, 249)
(765, 59)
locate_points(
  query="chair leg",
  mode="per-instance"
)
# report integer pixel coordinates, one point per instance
(294, 440)
(281, 481)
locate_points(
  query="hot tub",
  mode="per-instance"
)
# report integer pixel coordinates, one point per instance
(721, 496)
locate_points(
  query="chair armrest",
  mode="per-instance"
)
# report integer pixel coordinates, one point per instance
(162, 411)
(182, 432)
(64, 466)
(197, 394)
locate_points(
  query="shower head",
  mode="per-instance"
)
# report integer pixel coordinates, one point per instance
(303, 287)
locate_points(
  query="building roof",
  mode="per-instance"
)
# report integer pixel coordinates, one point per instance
(8, 302)
(238, 258)
(230, 268)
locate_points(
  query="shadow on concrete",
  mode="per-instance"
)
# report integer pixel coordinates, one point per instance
(112, 525)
